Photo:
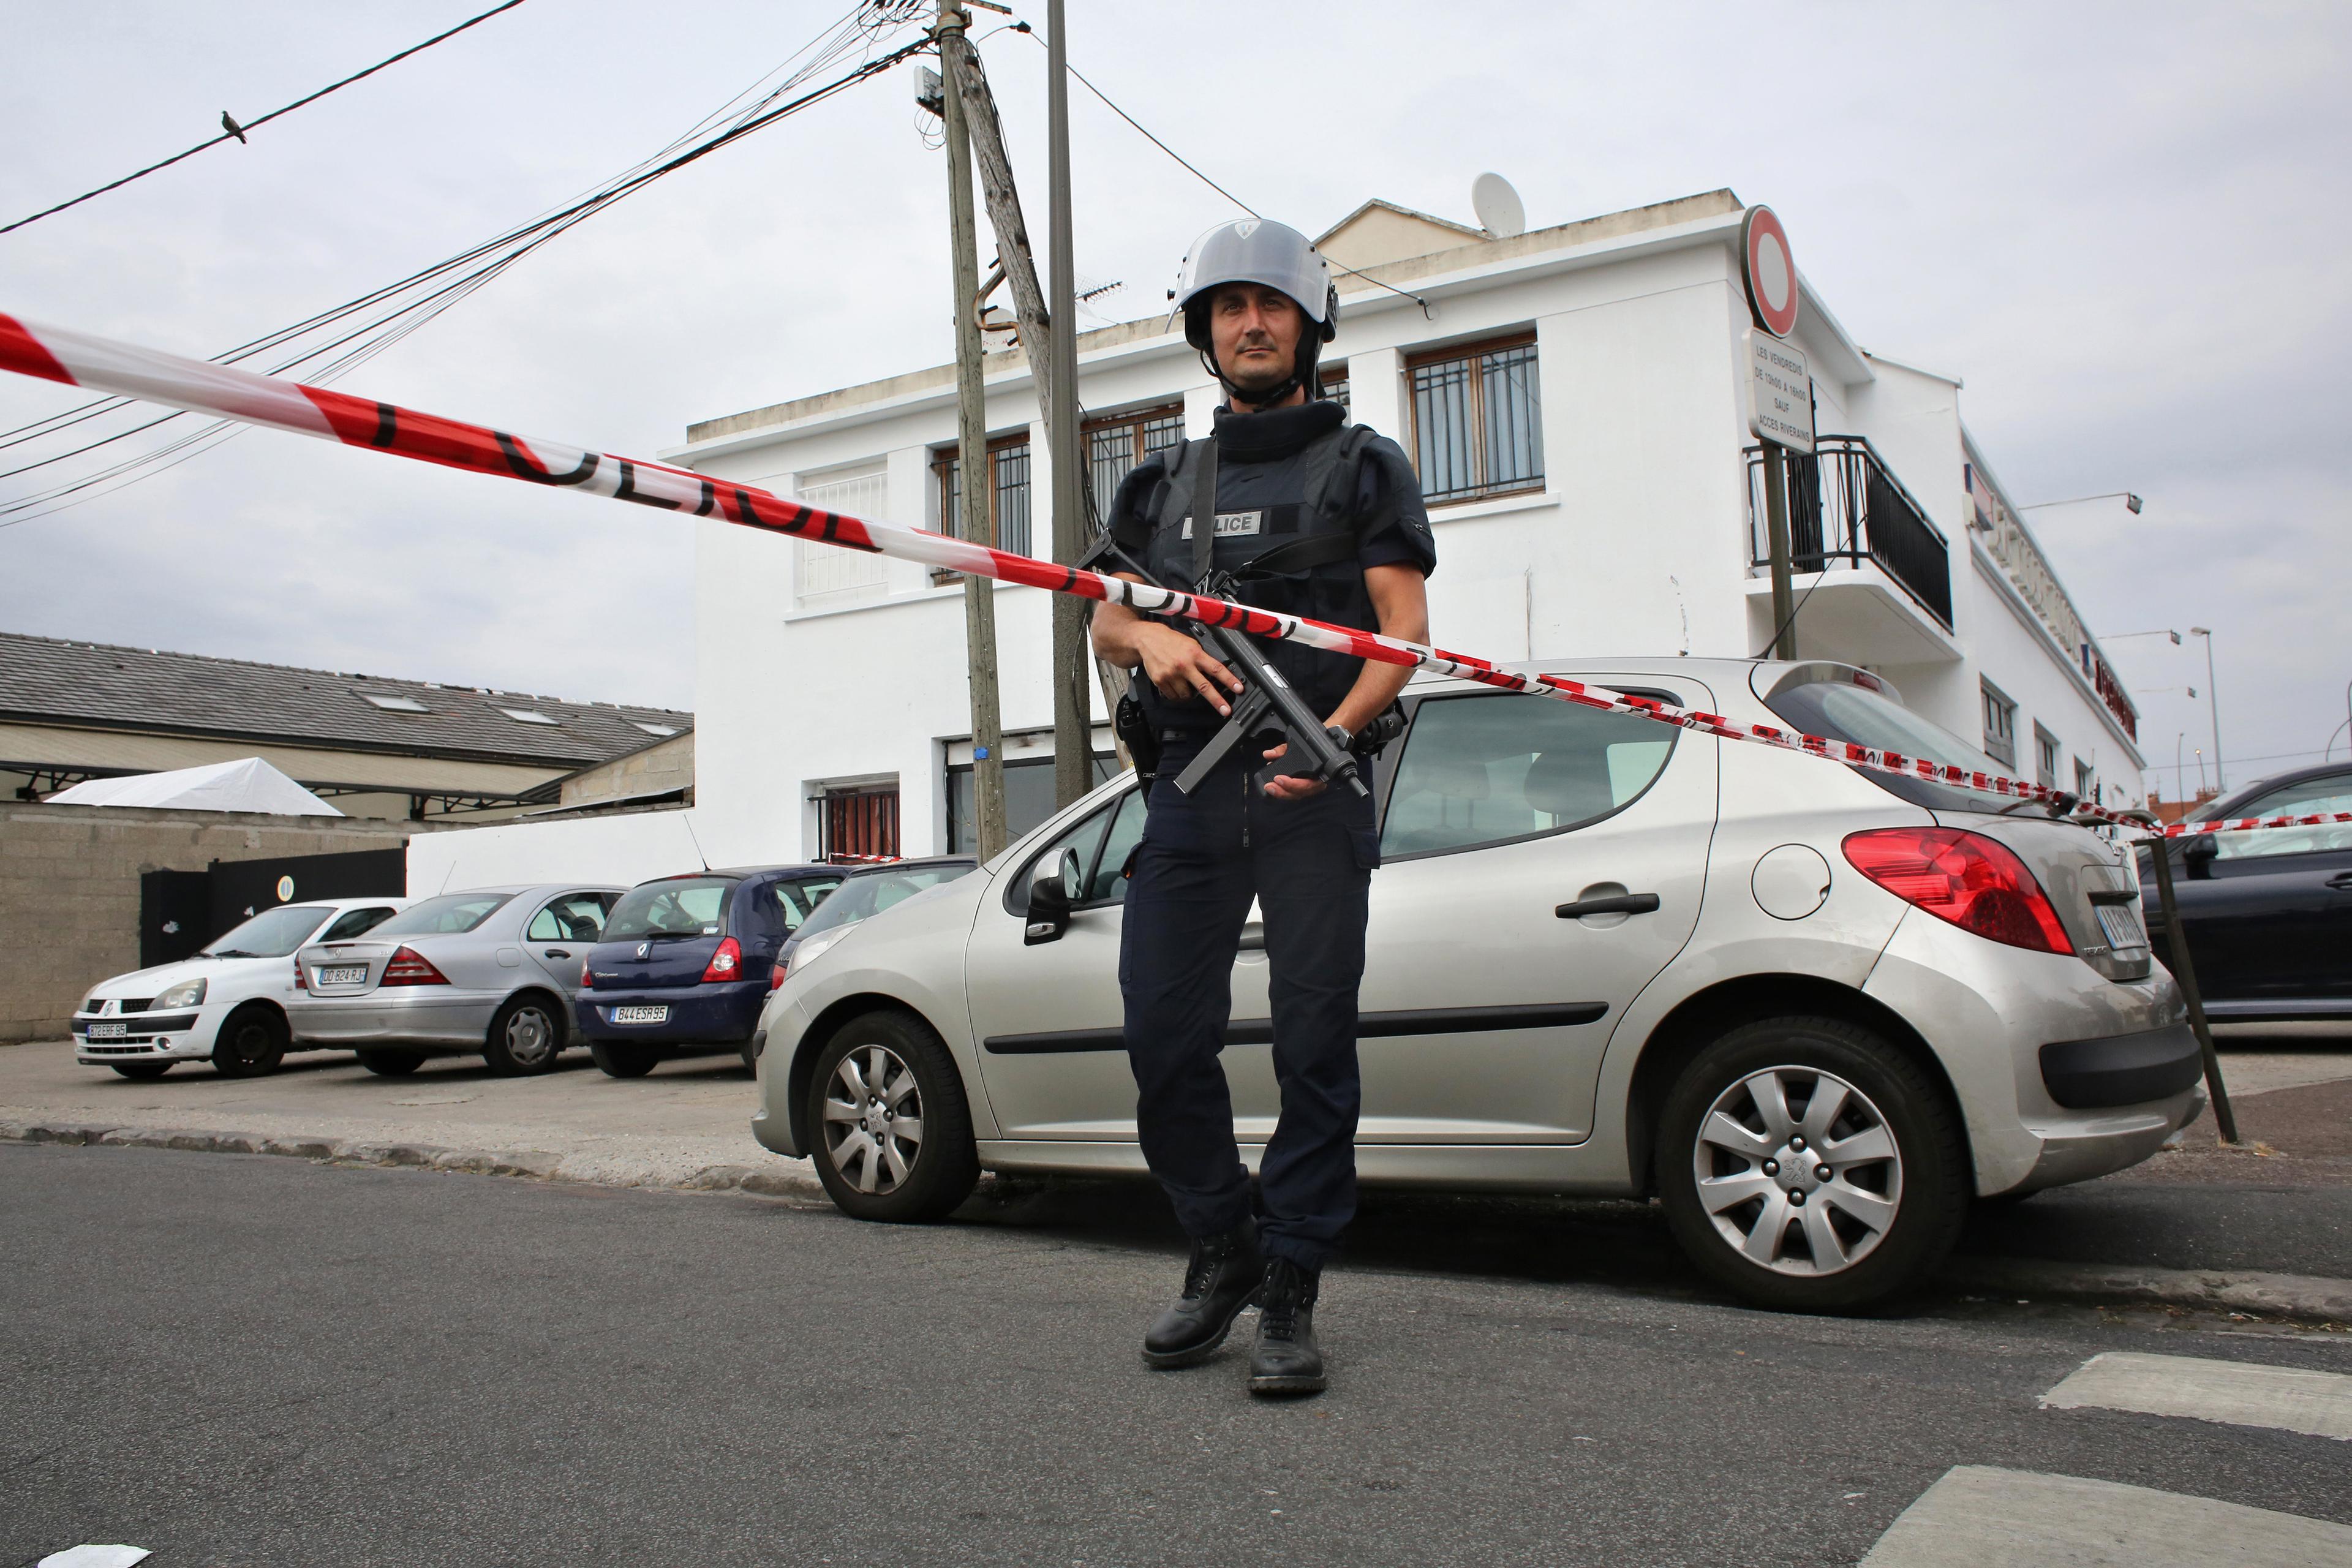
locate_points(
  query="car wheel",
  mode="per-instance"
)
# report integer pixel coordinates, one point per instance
(143, 1071)
(524, 1037)
(251, 1043)
(1810, 1166)
(392, 1064)
(624, 1058)
(891, 1130)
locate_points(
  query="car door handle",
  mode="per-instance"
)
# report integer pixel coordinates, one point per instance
(558, 952)
(2341, 879)
(1622, 904)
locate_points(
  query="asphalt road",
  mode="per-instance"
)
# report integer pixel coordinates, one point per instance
(248, 1360)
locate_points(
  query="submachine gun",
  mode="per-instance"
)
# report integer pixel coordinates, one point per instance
(1268, 711)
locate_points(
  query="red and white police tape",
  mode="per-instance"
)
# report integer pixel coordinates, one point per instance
(78, 359)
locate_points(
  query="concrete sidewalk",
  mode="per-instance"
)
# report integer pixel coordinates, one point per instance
(686, 1125)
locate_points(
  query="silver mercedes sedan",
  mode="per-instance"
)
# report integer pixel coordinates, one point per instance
(1813, 1010)
(490, 970)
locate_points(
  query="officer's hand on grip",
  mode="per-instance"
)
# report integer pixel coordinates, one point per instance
(1181, 668)
(1290, 786)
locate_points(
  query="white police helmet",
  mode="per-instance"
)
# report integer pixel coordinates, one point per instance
(1256, 250)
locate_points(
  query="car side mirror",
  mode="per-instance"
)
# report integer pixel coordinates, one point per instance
(2197, 853)
(1052, 890)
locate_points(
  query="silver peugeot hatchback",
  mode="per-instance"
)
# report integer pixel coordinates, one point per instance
(1813, 1010)
(490, 970)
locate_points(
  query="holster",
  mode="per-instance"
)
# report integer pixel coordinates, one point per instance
(1135, 730)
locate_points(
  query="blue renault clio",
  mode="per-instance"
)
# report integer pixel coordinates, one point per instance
(685, 962)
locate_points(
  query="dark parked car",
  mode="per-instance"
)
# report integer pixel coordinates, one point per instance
(867, 892)
(2269, 913)
(687, 960)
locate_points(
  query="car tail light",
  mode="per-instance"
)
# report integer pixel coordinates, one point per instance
(1974, 882)
(301, 981)
(776, 975)
(587, 981)
(410, 967)
(727, 963)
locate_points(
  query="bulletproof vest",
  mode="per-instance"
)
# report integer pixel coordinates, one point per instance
(1283, 532)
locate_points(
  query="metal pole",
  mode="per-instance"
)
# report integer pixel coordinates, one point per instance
(971, 464)
(2213, 696)
(1073, 698)
(2177, 941)
(1776, 520)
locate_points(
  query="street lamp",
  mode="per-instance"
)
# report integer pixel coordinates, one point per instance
(2131, 503)
(2160, 632)
(2215, 697)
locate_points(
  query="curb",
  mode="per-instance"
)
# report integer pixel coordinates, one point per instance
(2303, 1296)
(535, 1163)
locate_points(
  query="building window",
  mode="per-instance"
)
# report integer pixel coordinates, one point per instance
(2087, 781)
(1999, 726)
(1028, 798)
(1335, 384)
(1008, 491)
(2045, 757)
(825, 573)
(1478, 421)
(1115, 446)
(858, 824)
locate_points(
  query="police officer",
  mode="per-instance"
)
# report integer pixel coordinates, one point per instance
(1321, 519)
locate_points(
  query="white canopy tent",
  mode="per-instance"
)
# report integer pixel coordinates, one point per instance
(248, 784)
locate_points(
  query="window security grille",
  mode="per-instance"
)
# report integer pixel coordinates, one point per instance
(827, 575)
(854, 824)
(1478, 422)
(1114, 446)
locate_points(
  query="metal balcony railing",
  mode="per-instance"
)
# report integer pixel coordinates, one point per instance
(1846, 506)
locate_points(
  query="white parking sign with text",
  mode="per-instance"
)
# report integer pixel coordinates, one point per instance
(1780, 393)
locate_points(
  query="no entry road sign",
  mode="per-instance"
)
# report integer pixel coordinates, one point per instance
(1770, 270)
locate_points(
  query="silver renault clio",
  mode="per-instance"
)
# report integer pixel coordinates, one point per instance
(1813, 1010)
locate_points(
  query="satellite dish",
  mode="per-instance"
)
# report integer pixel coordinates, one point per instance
(1498, 206)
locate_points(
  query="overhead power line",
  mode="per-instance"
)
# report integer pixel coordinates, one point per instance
(231, 128)
(450, 281)
(1194, 170)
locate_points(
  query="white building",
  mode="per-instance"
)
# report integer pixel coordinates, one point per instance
(1574, 400)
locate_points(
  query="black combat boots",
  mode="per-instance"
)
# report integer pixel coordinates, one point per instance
(1286, 1359)
(1218, 1283)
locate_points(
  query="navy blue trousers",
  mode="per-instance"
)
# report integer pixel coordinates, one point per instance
(1308, 864)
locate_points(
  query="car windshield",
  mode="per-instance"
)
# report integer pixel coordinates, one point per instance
(273, 934)
(1842, 711)
(868, 893)
(449, 913)
(677, 906)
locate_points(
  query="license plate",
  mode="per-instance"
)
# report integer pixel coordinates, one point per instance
(641, 1014)
(105, 1031)
(2121, 922)
(344, 974)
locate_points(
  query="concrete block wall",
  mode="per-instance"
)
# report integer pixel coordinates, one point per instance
(69, 889)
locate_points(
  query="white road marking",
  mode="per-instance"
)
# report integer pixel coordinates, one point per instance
(91, 1556)
(2240, 1392)
(1978, 1516)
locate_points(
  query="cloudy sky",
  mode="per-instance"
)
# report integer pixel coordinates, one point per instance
(2119, 223)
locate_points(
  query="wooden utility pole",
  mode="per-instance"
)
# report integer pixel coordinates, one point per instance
(973, 486)
(1052, 367)
(1074, 772)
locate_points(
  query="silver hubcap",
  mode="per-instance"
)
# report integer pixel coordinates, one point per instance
(1799, 1170)
(530, 1038)
(873, 1119)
